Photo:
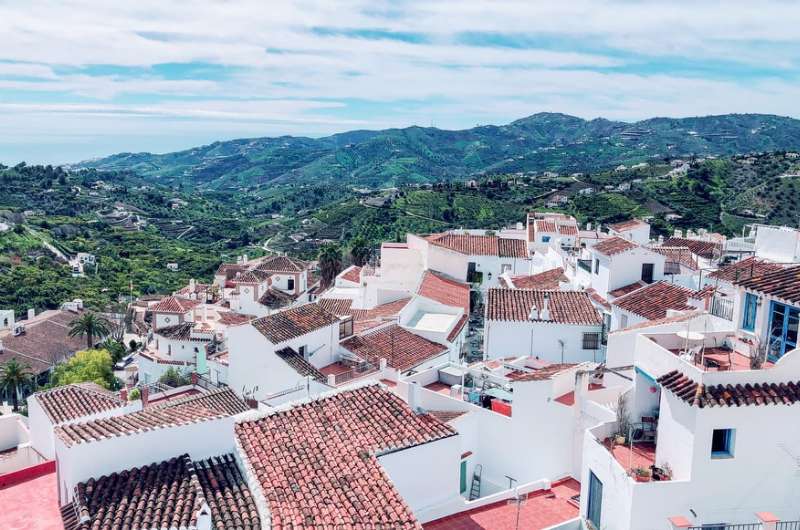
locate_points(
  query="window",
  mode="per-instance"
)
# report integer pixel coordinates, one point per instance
(505, 267)
(597, 266)
(545, 239)
(647, 272)
(750, 307)
(722, 443)
(623, 321)
(345, 328)
(302, 350)
(591, 341)
(290, 284)
(593, 506)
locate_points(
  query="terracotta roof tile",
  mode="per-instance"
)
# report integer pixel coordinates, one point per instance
(784, 284)
(294, 322)
(566, 307)
(231, 318)
(181, 331)
(281, 264)
(613, 246)
(480, 245)
(250, 277)
(70, 402)
(653, 301)
(547, 280)
(681, 255)
(703, 396)
(457, 328)
(275, 298)
(316, 462)
(704, 249)
(630, 224)
(402, 349)
(222, 400)
(446, 416)
(168, 494)
(337, 306)
(627, 289)
(175, 304)
(351, 274)
(444, 289)
(299, 364)
(744, 270)
(45, 342)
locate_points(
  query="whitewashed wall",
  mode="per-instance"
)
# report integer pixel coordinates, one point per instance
(539, 339)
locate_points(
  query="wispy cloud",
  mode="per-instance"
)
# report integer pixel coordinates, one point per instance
(135, 75)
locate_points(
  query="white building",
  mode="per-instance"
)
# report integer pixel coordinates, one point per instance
(552, 228)
(634, 230)
(654, 302)
(553, 326)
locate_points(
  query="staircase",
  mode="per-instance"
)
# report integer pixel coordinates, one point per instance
(475, 490)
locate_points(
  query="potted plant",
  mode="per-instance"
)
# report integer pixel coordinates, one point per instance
(619, 439)
(642, 474)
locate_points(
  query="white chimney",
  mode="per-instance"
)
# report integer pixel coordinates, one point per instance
(545, 314)
(534, 314)
(660, 240)
(31, 313)
(1, 345)
(204, 517)
(589, 226)
(192, 284)
(519, 226)
(413, 389)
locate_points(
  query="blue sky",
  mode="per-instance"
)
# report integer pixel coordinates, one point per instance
(83, 78)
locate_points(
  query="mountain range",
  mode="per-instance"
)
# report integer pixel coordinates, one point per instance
(541, 142)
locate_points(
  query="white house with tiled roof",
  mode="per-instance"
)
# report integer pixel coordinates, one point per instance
(653, 302)
(712, 441)
(70, 404)
(635, 230)
(554, 326)
(546, 228)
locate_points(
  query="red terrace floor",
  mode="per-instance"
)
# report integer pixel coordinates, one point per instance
(569, 398)
(540, 510)
(439, 387)
(641, 455)
(31, 505)
(335, 369)
(173, 397)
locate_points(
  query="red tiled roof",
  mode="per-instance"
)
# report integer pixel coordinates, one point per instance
(653, 301)
(229, 269)
(281, 264)
(294, 322)
(480, 245)
(704, 249)
(446, 416)
(168, 494)
(744, 270)
(540, 374)
(364, 319)
(681, 255)
(316, 462)
(784, 283)
(547, 280)
(597, 299)
(351, 274)
(568, 229)
(566, 307)
(180, 331)
(630, 224)
(231, 318)
(613, 246)
(627, 289)
(46, 341)
(299, 364)
(457, 328)
(337, 306)
(222, 400)
(275, 298)
(445, 290)
(702, 396)
(402, 349)
(252, 277)
(75, 401)
(174, 304)
(151, 418)
(545, 225)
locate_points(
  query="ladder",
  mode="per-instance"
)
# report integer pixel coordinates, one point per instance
(475, 490)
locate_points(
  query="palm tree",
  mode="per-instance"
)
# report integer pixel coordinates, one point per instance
(359, 251)
(92, 326)
(13, 376)
(330, 263)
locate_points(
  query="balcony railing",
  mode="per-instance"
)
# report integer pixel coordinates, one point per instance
(780, 525)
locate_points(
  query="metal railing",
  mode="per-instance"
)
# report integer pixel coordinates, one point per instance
(585, 264)
(787, 525)
(722, 307)
(742, 526)
(354, 373)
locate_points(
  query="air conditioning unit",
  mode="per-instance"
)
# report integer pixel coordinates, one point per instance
(19, 329)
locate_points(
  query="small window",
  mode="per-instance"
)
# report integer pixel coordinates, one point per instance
(591, 341)
(290, 284)
(722, 443)
(623, 321)
(750, 306)
(597, 266)
(345, 328)
(545, 239)
(302, 350)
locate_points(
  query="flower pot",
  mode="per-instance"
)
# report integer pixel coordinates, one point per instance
(619, 440)
(642, 478)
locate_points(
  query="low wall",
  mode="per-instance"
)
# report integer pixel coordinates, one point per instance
(28, 473)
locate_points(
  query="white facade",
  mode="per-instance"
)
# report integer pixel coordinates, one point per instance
(779, 244)
(549, 341)
(612, 272)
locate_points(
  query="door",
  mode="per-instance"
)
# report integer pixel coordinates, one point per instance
(290, 285)
(647, 272)
(783, 330)
(463, 486)
(595, 502)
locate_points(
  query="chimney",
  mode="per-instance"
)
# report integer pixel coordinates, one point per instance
(545, 314)
(123, 394)
(192, 284)
(534, 314)
(204, 517)
(145, 395)
(413, 389)
(660, 240)
(589, 226)
(31, 313)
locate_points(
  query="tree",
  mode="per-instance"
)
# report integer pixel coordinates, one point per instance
(13, 376)
(115, 348)
(330, 263)
(360, 251)
(174, 378)
(87, 366)
(91, 325)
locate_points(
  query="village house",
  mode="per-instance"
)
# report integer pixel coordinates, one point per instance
(552, 228)
(634, 230)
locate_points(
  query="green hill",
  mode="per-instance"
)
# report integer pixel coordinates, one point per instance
(542, 142)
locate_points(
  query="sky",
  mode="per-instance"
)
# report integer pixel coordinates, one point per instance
(87, 78)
